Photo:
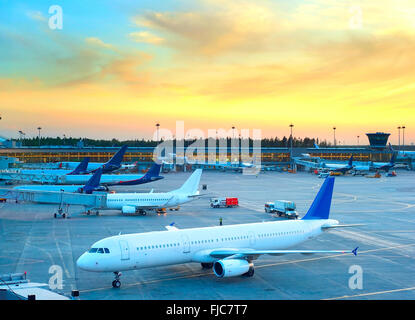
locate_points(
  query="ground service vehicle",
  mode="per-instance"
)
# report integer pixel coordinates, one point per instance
(282, 208)
(224, 202)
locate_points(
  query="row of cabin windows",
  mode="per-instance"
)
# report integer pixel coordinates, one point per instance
(123, 200)
(274, 234)
(99, 250)
(159, 246)
(222, 239)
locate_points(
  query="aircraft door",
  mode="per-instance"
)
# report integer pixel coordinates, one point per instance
(251, 239)
(185, 243)
(125, 250)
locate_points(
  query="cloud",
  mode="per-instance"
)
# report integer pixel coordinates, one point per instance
(36, 15)
(146, 37)
(98, 42)
(219, 28)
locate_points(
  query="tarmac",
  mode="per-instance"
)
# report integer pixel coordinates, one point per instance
(32, 241)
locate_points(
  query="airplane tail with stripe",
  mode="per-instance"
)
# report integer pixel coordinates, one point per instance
(118, 157)
(94, 182)
(153, 173)
(350, 161)
(82, 168)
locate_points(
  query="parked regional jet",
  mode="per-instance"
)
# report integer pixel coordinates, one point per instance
(81, 168)
(93, 184)
(343, 168)
(107, 180)
(385, 166)
(229, 250)
(153, 174)
(142, 202)
(113, 164)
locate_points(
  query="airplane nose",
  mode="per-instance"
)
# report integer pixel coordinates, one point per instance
(82, 262)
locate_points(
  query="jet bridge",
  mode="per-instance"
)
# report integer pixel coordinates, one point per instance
(15, 286)
(63, 199)
(39, 177)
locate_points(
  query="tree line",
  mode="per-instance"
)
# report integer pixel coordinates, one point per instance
(276, 142)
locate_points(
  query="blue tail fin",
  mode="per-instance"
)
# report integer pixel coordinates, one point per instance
(393, 158)
(81, 168)
(351, 161)
(94, 182)
(320, 209)
(117, 158)
(154, 171)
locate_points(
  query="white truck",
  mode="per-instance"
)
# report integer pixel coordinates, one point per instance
(282, 208)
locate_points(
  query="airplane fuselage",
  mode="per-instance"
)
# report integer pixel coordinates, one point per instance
(151, 249)
(146, 200)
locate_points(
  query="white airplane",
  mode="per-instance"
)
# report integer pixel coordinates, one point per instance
(336, 167)
(229, 250)
(142, 202)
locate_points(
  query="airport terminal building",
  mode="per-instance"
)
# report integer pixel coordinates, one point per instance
(377, 151)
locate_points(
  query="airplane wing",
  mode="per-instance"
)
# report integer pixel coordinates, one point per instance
(254, 254)
(200, 195)
(340, 226)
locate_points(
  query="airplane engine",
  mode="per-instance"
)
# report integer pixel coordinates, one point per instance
(232, 268)
(128, 209)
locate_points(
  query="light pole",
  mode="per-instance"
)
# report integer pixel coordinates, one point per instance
(233, 132)
(20, 137)
(403, 138)
(291, 142)
(157, 128)
(39, 128)
(399, 137)
(358, 140)
(334, 131)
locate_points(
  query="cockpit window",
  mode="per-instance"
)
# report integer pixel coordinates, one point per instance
(107, 250)
(100, 250)
(93, 250)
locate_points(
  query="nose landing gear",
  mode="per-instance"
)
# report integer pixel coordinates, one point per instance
(117, 283)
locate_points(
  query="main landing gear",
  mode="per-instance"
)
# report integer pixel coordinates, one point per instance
(89, 212)
(207, 265)
(117, 283)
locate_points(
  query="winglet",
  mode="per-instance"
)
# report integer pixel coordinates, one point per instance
(354, 251)
(171, 227)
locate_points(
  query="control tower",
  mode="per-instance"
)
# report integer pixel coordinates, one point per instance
(378, 140)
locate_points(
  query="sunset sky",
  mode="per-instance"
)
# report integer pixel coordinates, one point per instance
(118, 67)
